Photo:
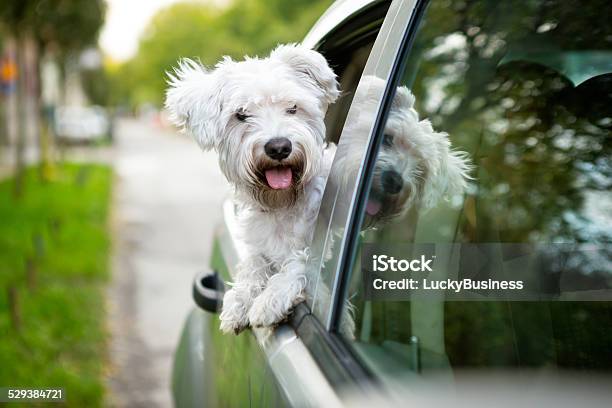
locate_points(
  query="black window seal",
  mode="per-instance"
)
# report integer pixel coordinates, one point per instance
(338, 366)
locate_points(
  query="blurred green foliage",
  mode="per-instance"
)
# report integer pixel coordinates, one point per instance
(69, 24)
(96, 85)
(195, 30)
(54, 250)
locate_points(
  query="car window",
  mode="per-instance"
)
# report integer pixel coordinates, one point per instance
(348, 50)
(495, 158)
(324, 253)
(349, 69)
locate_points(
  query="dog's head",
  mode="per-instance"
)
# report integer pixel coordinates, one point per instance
(415, 164)
(263, 116)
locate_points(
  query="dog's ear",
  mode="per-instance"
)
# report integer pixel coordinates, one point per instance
(448, 174)
(312, 66)
(193, 101)
(403, 99)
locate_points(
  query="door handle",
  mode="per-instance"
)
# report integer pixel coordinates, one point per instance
(208, 291)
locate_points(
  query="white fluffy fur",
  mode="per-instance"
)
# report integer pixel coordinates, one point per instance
(276, 225)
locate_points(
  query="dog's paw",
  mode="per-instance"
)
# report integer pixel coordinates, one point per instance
(261, 315)
(266, 311)
(234, 318)
(271, 308)
(231, 325)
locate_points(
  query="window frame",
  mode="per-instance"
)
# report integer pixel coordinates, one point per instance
(336, 38)
(402, 22)
(334, 355)
(406, 31)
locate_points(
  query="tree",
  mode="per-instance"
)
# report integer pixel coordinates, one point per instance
(15, 17)
(246, 27)
(69, 26)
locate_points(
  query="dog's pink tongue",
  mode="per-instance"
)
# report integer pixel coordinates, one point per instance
(373, 207)
(279, 178)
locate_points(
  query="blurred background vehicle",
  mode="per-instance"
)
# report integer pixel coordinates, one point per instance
(75, 124)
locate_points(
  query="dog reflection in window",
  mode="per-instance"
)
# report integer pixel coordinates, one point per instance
(415, 165)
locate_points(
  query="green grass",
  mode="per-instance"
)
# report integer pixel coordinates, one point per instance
(61, 228)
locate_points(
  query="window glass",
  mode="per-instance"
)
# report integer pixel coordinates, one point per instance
(498, 139)
(348, 51)
(322, 263)
(348, 66)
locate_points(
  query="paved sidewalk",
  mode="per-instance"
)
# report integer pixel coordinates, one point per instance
(167, 201)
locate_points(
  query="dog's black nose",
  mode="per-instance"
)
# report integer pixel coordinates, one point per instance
(278, 148)
(392, 181)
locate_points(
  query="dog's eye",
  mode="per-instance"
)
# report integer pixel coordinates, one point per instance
(387, 140)
(292, 110)
(241, 116)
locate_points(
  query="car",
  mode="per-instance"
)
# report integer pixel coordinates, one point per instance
(81, 124)
(524, 88)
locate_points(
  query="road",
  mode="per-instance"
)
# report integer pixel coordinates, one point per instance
(167, 201)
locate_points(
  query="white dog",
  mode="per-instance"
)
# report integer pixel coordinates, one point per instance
(264, 118)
